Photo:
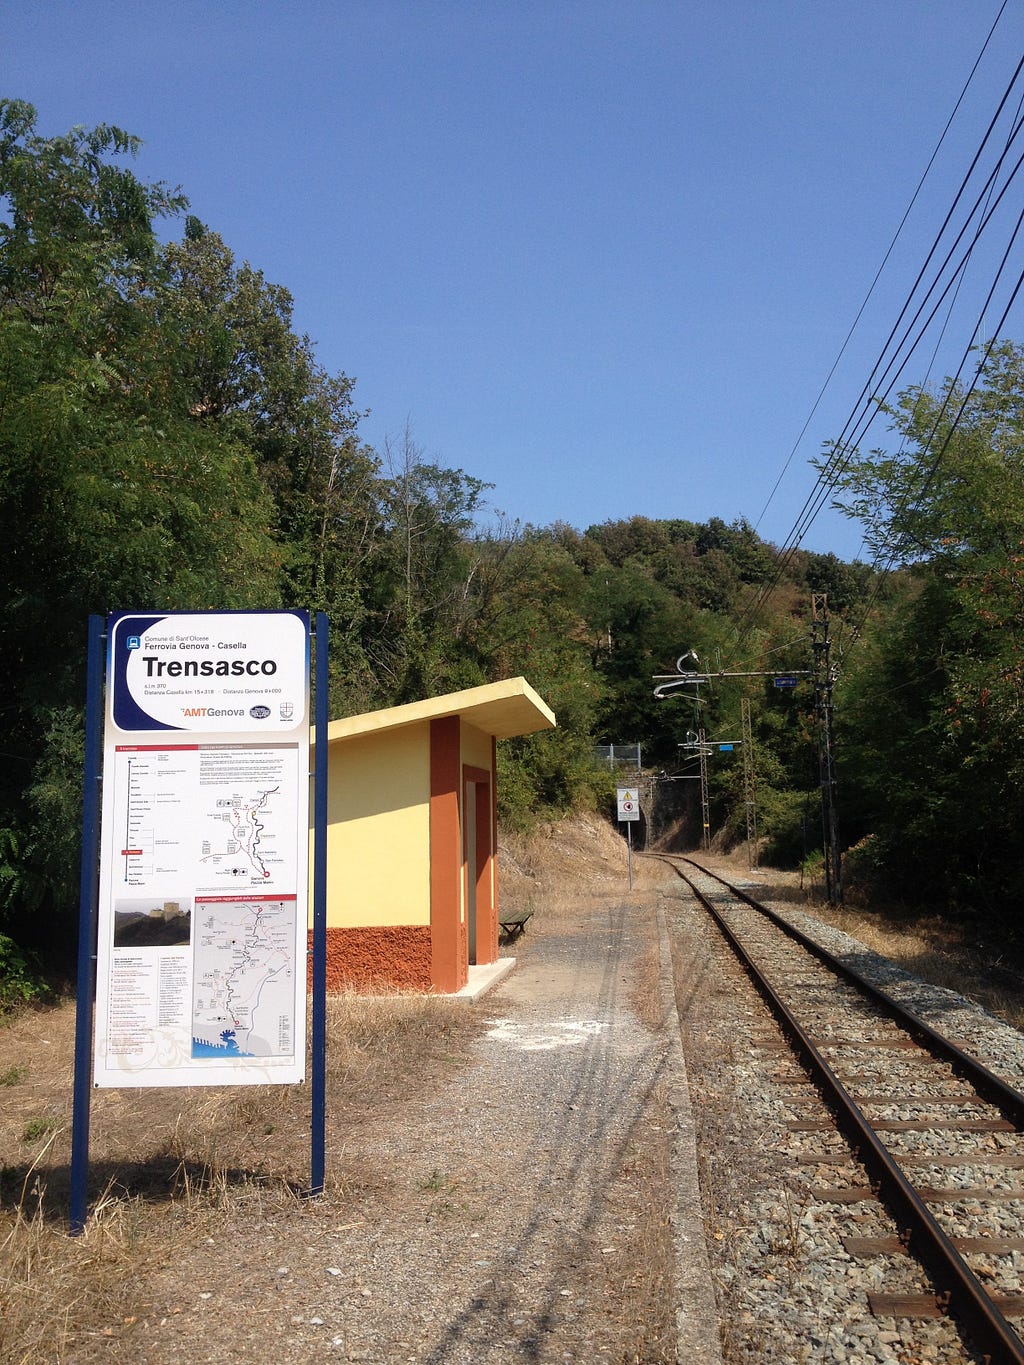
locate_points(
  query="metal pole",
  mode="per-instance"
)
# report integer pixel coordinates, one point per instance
(705, 804)
(318, 1097)
(749, 783)
(823, 683)
(629, 845)
(87, 898)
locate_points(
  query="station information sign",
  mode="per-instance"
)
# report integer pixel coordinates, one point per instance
(204, 863)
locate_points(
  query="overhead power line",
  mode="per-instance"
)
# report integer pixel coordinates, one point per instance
(891, 556)
(878, 273)
(930, 289)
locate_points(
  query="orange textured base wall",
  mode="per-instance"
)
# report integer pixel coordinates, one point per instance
(390, 957)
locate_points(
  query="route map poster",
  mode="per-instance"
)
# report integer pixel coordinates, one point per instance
(201, 954)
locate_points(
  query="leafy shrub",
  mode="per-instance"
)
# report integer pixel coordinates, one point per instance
(790, 823)
(20, 980)
(544, 776)
(864, 868)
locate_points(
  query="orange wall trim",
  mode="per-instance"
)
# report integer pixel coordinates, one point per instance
(378, 958)
(495, 902)
(449, 967)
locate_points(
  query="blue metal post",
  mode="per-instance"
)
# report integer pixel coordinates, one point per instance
(319, 1020)
(87, 898)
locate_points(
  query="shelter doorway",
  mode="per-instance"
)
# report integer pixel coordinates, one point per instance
(477, 865)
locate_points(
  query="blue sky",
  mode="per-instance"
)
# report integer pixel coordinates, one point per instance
(600, 255)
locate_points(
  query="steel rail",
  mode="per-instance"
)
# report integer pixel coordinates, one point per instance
(991, 1087)
(963, 1293)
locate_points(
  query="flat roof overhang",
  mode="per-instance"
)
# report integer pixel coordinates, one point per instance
(502, 709)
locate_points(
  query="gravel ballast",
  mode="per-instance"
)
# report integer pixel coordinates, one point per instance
(788, 1289)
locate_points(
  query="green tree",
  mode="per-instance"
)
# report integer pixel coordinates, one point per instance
(938, 780)
(111, 494)
(419, 580)
(525, 617)
(246, 372)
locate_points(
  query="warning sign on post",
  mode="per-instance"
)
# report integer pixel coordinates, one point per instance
(629, 803)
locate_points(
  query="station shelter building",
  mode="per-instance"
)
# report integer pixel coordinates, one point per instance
(412, 838)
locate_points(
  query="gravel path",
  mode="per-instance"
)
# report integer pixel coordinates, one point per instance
(531, 1210)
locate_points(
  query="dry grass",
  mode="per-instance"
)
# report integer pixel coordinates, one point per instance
(644, 1294)
(173, 1166)
(172, 1169)
(550, 870)
(940, 951)
(176, 1173)
(983, 960)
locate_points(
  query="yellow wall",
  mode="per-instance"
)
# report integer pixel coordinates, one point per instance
(476, 747)
(378, 841)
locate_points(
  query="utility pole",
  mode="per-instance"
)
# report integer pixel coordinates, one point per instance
(749, 782)
(668, 683)
(698, 743)
(824, 679)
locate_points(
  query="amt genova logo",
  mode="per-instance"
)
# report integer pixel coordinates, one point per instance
(259, 712)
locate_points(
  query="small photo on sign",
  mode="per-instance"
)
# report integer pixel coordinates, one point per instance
(152, 924)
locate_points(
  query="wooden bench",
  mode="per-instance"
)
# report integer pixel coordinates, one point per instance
(513, 922)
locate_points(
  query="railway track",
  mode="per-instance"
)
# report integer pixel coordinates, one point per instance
(888, 1112)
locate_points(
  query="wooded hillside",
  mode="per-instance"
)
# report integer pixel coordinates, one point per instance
(168, 440)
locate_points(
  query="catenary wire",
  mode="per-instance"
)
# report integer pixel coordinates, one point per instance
(878, 273)
(930, 473)
(828, 476)
(871, 382)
